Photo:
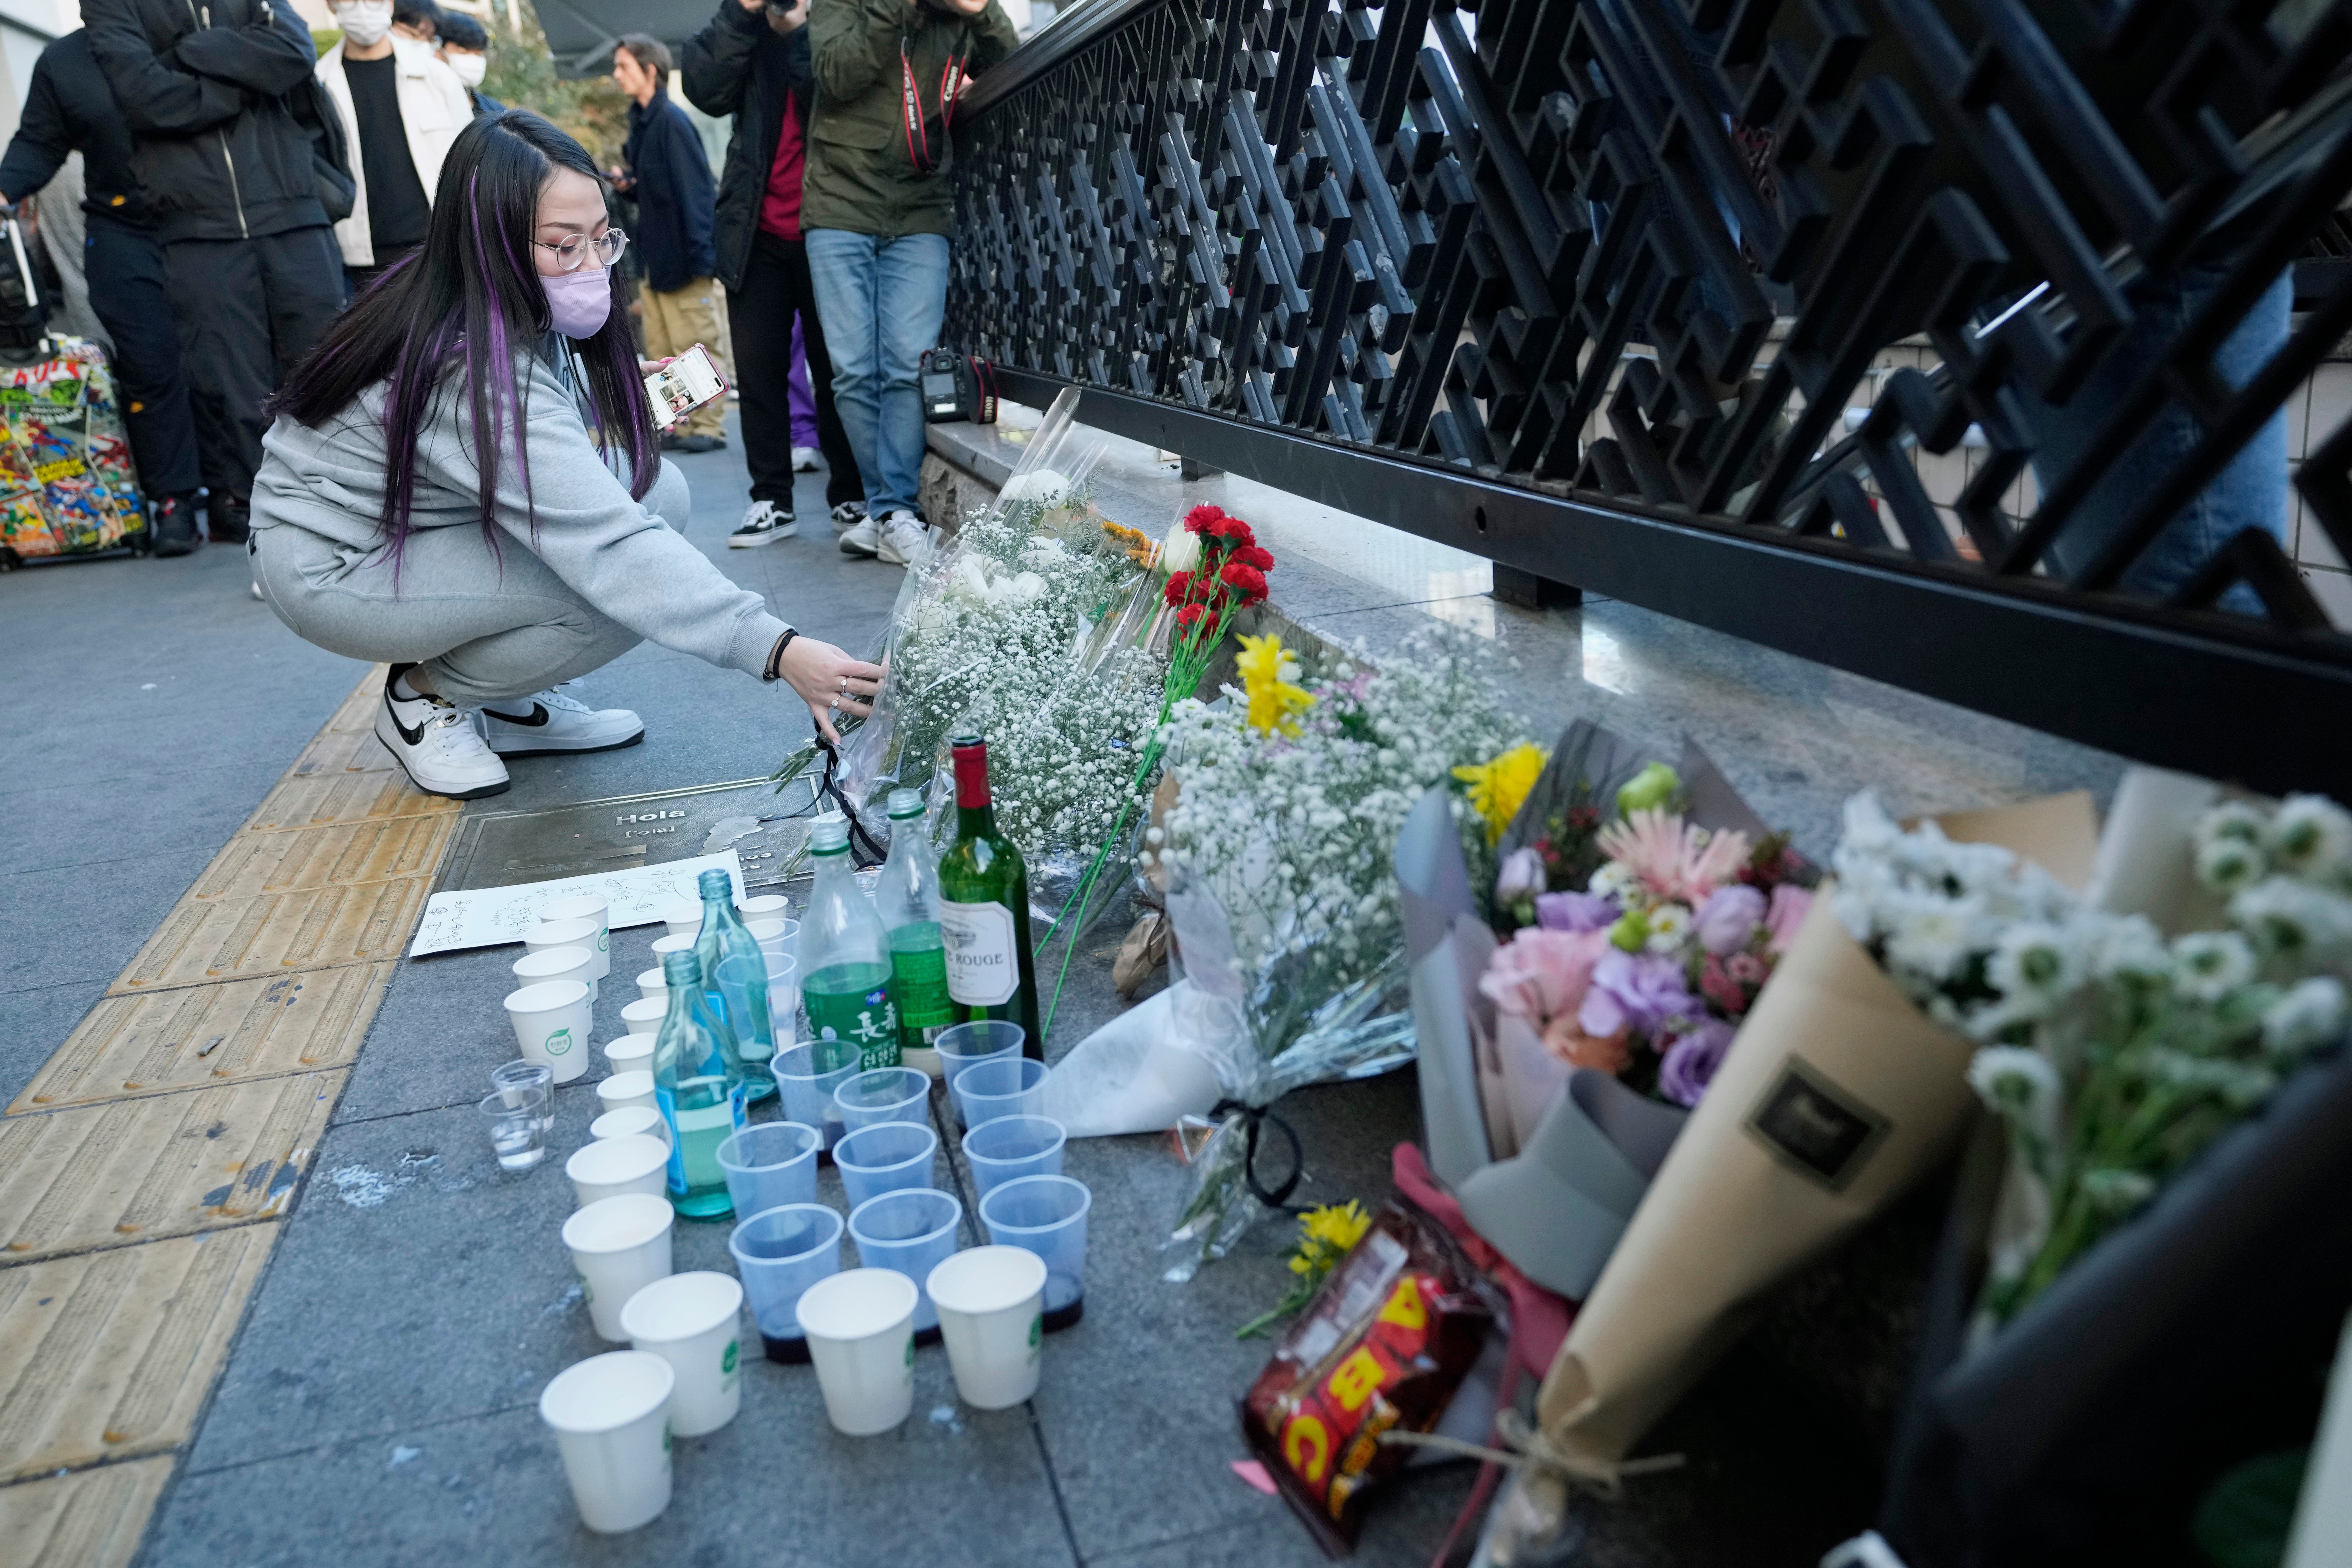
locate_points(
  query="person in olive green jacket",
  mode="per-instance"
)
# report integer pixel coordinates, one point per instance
(876, 205)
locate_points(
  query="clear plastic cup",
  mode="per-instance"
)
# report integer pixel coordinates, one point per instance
(991, 1301)
(911, 1230)
(610, 1166)
(1008, 1086)
(807, 1094)
(551, 1025)
(623, 1090)
(566, 962)
(1012, 1147)
(581, 933)
(619, 1245)
(860, 1328)
(778, 935)
(778, 1254)
(1047, 1214)
(744, 985)
(630, 1121)
(517, 1120)
(888, 1157)
(610, 1415)
(694, 1322)
(784, 1001)
(652, 986)
(968, 1044)
(771, 1165)
(511, 1075)
(885, 1094)
(631, 1053)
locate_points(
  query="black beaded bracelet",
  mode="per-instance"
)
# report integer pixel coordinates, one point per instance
(776, 654)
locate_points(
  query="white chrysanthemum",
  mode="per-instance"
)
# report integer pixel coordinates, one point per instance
(2227, 865)
(2311, 837)
(1670, 926)
(2311, 1014)
(1932, 937)
(1611, 881)
(2208, 965)
(1040, 487)
(2126, 945)
(2034, 965)
(2020, 1084)
(2293, 919)
(2232, 819)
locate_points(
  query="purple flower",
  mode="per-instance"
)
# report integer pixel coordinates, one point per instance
(1691, 1062)
(1521, 877)
(1574, 911)
(1644, 990)
(1727, 921)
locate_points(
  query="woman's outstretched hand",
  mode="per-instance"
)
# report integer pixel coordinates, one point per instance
(831, 682)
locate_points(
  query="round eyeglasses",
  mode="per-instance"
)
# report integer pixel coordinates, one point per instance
(573, 249)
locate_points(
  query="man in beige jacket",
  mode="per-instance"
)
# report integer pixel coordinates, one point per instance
(402, 107)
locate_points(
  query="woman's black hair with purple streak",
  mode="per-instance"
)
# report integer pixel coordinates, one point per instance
(462, 311)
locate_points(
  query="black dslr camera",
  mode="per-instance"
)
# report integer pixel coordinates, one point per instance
(957, 386)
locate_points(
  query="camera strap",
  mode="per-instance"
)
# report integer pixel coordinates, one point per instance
(983, 381)
(951, 79)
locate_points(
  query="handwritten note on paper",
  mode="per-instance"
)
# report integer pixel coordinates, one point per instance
(487, 917)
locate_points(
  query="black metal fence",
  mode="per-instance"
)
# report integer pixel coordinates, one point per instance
(1603, 289)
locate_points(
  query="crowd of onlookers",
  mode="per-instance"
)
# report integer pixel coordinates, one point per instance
(238, 189)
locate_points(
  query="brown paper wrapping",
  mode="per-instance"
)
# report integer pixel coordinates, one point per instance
(1837, 1095)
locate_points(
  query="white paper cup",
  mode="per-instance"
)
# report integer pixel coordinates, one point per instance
(608, 1168)
(860, 1328)
(629, 1121)
(557, 964)
(589, 934)
(623, 1090)
(684, 919)
(551, 1025)
(611, 1418)
(692, 1321)
(619, 1245)
(767, 906)
(645, 1016)
(652, 986)
(582, 907)
(992, 1302)
(631, 1053)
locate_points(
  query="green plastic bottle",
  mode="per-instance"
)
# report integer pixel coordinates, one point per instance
(743, 1008)
(907, 899)
(984, 909)
(700, 1085)
(845, 961)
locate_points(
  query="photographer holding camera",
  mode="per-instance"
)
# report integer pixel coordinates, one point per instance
(876, 206)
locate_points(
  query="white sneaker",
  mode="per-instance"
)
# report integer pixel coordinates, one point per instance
(435, 742)
(257, 593)
(849, 514)
(764, 522)
(905, 539)
(559, 723)
(804, 459)
(864, 538)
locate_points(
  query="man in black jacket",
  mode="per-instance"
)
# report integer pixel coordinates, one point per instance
(234, 184)
(752, 61)
(69, 109)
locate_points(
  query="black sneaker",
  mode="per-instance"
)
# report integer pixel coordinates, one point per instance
(227, 519)
(694, 444)
(174, 525)
(763, 523)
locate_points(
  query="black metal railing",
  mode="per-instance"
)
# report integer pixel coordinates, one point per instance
(1603, 290)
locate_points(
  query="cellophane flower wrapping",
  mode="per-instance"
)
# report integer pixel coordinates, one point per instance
(1277, 860)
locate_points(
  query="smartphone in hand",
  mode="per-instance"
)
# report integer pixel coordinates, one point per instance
(683, 385)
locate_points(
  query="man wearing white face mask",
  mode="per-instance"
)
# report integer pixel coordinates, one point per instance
(465, 48)
(401, 107)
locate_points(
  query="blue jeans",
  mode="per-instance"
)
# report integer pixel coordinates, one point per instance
(2251, 493)
(880, 302)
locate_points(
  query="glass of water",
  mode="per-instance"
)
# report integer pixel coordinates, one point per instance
(525, 1080)
(517, 1120)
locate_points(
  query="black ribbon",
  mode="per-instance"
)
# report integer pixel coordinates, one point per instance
(865, 849)
(1253, 1116)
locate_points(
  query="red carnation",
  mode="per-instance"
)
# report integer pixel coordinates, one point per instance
(1179, 585)
(1190, 616)
(1245, 580)
(1256, 556)
(1202, 519)
(1233, 531)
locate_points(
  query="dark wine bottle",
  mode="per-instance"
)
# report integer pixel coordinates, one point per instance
(984, 909)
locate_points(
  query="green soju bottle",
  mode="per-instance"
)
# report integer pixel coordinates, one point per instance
(699, 1081)
(743, 1007)
(845, 961)
(907, 899)
(984, 909)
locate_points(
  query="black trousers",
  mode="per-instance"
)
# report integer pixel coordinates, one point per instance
(248, 309)
(759, 320)
(133, 303)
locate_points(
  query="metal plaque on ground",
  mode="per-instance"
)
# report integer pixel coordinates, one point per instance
(767, 830)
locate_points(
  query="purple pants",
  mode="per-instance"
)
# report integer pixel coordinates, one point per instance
(803, 401)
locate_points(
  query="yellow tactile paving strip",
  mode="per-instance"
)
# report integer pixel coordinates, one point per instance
(144, 1170)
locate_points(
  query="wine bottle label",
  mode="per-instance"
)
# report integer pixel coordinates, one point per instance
(984, 971)
(918, 988)
(866, 1019)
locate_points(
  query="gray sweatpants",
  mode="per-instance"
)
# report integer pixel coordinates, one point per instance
(487, 628)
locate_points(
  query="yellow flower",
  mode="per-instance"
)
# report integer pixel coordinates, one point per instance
(1338, 1227)
(1498, 788)
(1266, 674)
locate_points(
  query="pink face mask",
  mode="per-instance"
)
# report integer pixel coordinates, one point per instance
(579, 302)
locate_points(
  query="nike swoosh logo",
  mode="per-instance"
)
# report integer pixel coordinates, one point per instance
(539, 717)
(413, 735)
